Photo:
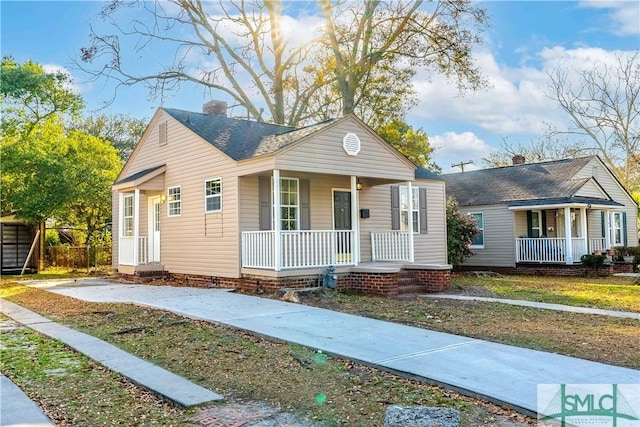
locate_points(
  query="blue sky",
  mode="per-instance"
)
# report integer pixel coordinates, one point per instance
(524, 40)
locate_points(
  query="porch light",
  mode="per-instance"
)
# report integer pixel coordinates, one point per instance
(358, 185)
(163, 198)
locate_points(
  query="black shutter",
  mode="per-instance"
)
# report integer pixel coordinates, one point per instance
(624, 228)
(395, 207)
(543, 232)
(603, 223)
(264, 197)
(305, 203)
(529, 224)
(422, 215)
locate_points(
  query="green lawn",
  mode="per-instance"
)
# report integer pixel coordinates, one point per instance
(614, 293)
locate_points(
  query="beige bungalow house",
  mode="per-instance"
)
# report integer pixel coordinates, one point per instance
(238, 203)
(544, 213)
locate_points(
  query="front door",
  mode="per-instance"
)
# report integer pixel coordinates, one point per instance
(342, 222)
(154, 229)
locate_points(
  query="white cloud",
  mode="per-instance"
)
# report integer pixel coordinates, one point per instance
(451, 148)
(516, 101)
(71, 84)
(623, 16)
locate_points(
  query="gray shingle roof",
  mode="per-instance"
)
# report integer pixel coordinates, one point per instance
(241, 139)
(138, 175)
(534, 181)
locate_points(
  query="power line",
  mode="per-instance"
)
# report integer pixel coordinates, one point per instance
(461, 165)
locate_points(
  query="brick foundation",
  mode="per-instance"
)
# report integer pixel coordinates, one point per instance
(383, 284)
(552, 269)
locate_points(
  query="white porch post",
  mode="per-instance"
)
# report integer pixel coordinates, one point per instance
(410, 220)
(277, 221)
(583, 229)
(136, 224)
(567, 236)
(355, 224)
(607, 229)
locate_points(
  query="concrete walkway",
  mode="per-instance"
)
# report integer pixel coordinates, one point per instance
(16, 409)
(543, 305)
(497, 372)
(139, 371)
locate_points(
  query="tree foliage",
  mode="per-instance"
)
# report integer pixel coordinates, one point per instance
(121, 131)
(414, 144)
(604, 107)
(460, 231)
(47, 170)
(30, 96)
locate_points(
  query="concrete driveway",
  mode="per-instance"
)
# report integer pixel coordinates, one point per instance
(497, 372)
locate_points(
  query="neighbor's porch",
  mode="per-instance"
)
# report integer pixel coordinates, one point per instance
(562, 234)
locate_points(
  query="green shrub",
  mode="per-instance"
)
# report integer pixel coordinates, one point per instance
(593, 262)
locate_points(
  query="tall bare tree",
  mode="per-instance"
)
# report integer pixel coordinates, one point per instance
(356, 54)
(604, 106)
(364, 37)
(235, 47)
(541, 150)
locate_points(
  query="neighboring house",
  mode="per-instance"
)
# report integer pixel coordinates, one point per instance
(239, 203)
(551, 212)
(17, 239)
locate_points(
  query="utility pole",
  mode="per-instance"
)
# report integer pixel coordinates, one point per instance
(461, 165)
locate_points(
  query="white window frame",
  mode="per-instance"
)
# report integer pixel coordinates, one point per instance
(613, 229)
(127, 231)
(174, 205)
(472, 246)
(404, 209)
(217, 196)
(283, 220)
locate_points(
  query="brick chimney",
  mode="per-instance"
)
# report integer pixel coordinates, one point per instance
(518, 159)
(215, 107)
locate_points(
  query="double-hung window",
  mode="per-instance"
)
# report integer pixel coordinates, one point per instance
(127, 215)
(617, 238)
(174, 201)
(213, 195)
(404, 208)
(289, 204)
(478, 240)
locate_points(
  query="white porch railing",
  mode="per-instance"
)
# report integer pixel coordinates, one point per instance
(390, 246)
(578, 247)
(127, 246)
(598, 244)
(542, 249)
(298, 249)
(549, 249)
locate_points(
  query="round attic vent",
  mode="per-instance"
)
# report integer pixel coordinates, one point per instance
(351, 144)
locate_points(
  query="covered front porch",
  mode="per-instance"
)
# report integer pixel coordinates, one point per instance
(563, 233)
(312, 221)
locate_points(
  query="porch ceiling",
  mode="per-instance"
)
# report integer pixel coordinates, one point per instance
(137, 179)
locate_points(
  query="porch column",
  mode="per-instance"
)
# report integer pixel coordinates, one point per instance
(136, 225)
(410, 220)
(355, 223)
(607, 229)
(568, 259)
(277, 226)
(583, 231)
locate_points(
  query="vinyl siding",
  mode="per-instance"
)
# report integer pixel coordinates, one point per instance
(616, 192)
(429, 248)
(591, 189)
(499, 237)
(194, 242)
(323, 153)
